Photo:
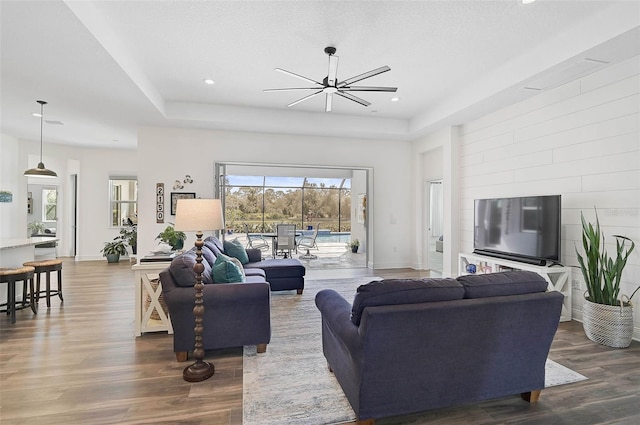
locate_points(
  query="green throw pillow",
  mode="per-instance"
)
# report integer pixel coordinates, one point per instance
(226, 271)
(235, 249)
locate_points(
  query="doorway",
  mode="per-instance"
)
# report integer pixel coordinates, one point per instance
(435, 220)
(319, 201)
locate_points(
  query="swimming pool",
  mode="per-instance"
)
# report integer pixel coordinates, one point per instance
(333, 237)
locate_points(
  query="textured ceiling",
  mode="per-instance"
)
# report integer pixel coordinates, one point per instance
(107, 67)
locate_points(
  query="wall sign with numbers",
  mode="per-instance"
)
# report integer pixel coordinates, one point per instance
(159, 202)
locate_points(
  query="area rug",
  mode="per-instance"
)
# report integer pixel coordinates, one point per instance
(291, 384)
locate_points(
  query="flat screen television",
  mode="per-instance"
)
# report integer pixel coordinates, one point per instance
(525, 229)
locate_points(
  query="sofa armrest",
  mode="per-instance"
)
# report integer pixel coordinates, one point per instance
(336, 315)
(254, 254)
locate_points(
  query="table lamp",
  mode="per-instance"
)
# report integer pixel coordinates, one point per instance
(198, 215)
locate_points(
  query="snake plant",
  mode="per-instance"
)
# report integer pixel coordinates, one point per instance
(602, 273)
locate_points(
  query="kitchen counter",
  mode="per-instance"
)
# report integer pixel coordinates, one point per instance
(15, 251)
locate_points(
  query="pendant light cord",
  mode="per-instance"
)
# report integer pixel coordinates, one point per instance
(41, 124)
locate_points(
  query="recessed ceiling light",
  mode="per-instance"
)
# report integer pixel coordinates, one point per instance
(208, 81)
(527, 1)
(36, 114)
(395, 99)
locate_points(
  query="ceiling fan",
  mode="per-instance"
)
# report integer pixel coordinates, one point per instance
(330, 84)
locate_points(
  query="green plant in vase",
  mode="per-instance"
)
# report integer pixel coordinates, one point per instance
(607, 317)
(172, 237)
(114, 249)
(129, 234)
(355, 244)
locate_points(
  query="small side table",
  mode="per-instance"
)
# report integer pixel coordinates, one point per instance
(145, 273)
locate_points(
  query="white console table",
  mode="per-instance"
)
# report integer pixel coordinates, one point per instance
(558, 278)
(145, 273)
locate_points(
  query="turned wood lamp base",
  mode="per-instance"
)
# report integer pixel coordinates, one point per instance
(198, 372)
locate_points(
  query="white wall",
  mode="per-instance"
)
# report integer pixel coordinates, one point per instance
(580, 140)
(167, 154)
(13, 215)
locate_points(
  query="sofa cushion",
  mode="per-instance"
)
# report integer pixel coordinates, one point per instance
(235, 249)
(208, 255)
(404, 291)
(181, 269)
(502, 283)
(224, 270)
(279, 268)
(214, 245)
(237, 262)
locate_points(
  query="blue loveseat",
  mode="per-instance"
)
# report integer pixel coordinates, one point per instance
(406, 346)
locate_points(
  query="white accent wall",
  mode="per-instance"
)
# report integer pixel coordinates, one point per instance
(580, 140)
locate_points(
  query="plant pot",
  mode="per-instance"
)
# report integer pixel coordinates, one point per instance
(354, 249)
(178, 245)
(610, 325)
(113, 258)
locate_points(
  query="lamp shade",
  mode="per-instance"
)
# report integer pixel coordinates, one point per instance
(194, 215)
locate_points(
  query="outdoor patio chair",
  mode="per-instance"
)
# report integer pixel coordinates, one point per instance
(309, 242)
(286, 238)
(256, 241)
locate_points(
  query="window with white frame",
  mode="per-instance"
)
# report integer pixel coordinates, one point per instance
(123, 201)
(49, 205)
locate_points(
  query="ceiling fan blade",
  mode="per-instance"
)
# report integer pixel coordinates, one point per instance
(297, 76)
(292, 89)
(363, 76)
(329, 102)
(353, 98)
(304, 98)
(333, 70)
(364, 88)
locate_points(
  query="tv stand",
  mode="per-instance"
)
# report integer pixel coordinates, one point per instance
(558, 278)
(527, 260)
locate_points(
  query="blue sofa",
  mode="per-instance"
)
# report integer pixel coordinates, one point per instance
(407, 346)
(236, 314)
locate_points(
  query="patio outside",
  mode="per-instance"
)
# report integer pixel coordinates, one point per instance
(331, 253)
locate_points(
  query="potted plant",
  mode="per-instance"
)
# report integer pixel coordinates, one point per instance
(114, 249)
(607, 317)
(354, 245)
(129, 234)
(35, 228)
(172, 237)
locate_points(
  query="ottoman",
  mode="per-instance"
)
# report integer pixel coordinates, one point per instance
(282, 274)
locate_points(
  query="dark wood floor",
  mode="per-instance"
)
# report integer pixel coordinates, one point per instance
(79, 363)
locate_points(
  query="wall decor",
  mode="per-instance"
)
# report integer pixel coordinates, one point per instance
(6, 196)
(180, 195)
(159, 202)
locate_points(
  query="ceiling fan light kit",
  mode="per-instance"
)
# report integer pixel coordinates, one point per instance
(41, 170)
(330, 84)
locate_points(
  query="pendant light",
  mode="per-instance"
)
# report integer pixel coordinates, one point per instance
(40, 170)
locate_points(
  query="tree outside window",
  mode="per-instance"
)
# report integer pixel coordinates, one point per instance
(49, 205)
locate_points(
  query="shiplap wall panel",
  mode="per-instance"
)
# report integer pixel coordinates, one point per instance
(602, 146)
(484, 126)
(582, 141)
(619, 180)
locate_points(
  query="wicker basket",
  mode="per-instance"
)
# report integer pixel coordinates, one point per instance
(147, 302)
(610, 325)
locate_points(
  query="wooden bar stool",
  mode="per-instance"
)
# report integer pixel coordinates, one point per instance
(47, 266)
(11, 277)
